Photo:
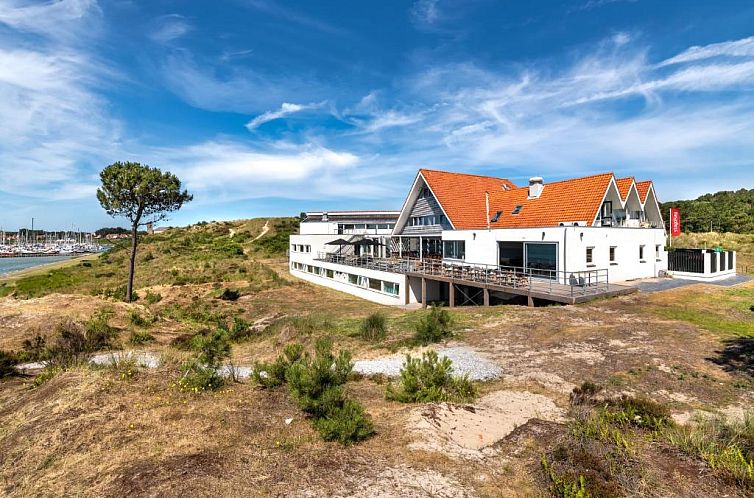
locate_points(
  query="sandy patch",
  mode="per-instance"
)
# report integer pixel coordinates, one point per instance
(395, 482)
(470, 431)
(545, 379)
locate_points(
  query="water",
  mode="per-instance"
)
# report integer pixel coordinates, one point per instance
(9, 265)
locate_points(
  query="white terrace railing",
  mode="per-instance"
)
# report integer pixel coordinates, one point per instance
(576, 283)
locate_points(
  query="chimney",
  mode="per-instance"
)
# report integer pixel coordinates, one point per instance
(536, 186)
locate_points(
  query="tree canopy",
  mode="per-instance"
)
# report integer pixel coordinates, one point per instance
(724, 211)
(137, 191)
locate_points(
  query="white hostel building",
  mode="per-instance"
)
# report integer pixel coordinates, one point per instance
(463, 239)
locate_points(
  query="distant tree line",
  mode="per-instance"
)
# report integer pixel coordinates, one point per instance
(104, 232)
(725, 211)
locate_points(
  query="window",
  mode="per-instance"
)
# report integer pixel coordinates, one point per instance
(353, 279)
(641, 253)
(607, 209)
(329, 273)
(454, 249)
(612, 255)
(391, 288)
(496, 217)
(589, 255)
(424, 193)
(371, 226)
(308, 248)
(375, 284)
(658, 252)
(517, 209)
(391, 226)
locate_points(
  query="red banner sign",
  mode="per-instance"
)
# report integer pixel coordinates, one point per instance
(675, 222)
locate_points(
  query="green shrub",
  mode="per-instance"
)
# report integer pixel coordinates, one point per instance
(434, 326)
(584, 393)
(140, 337)
(273, 374)
(198, 377)
(140, 320)
(345, 424)
(201, 373)
(229, 295)
(239, 330)
(34, 349)
(48, 373)
(430, 379)
(374, 327)
(316, 384)
(152, 298)
(639, 412)
(7, 364)
(563, 487)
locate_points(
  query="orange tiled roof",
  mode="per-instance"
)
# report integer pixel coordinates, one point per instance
(573, 200)
(462, 195)
(643, 188)
(624, 185)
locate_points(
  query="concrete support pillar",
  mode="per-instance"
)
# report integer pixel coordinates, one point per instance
(530, 301)
(400, 247)
(424, 292)
(486, 293)
(451, 295)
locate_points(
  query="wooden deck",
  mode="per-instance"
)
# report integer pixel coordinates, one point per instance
(548, 285)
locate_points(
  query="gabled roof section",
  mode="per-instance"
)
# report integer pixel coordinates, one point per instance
(462, 196)
(643, 189)
(567, 201)
(624, 186)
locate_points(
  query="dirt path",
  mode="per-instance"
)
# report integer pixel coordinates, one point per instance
(265, 229)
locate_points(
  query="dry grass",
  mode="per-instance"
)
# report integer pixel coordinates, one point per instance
(88, 432)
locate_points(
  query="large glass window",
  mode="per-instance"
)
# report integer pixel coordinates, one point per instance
(454, 249)
(375, 284)
(542, 259)
(391, 288)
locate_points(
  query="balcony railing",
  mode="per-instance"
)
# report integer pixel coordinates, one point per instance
(534, 279)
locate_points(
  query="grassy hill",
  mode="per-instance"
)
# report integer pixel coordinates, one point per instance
(595, 399)
(202, 253)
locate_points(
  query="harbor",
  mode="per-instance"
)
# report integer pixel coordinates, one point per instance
(30, 243)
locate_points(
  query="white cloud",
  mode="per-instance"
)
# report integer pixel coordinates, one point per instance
(168, 28)
(57, 19)
(286, 109)
(736, 48)
(232, 170)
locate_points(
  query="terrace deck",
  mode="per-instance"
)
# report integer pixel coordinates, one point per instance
(534, 284)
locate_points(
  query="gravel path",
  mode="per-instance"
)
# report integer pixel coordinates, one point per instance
(465, 360)
(662, 284)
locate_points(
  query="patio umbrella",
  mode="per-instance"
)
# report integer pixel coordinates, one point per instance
(338, 242)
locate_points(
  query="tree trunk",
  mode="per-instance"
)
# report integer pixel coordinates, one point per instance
(132, 263)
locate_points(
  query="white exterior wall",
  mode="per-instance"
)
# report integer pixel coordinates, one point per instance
(340, 282)
(481, 248)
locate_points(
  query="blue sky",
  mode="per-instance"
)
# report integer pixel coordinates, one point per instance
(271, 107)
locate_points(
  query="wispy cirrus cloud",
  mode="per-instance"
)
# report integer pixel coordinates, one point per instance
(735, 48)
(48, 91)
(286, 109)
(168, 28)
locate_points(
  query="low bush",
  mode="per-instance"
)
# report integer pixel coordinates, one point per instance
(239, 329)
(152, 297)
(140, 320)
(430, 379)
(202, 372)
(564, 487)
(140, 337)
(74, 341)
(316, 384)
(374, 327)
(34, 349)
(7, 364)
(434, 326)
(273, 374)
(229, 295)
